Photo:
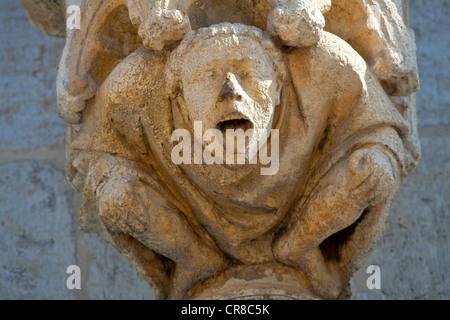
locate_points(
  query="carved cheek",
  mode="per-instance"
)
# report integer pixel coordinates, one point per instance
(265, 93)
(200, 102)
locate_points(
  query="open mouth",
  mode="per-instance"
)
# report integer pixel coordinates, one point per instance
(235, 124)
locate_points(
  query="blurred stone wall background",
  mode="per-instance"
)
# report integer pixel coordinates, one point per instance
(39, 237)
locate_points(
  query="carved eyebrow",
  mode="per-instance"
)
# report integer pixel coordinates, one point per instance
(248, 61)
(200, 72)
(245, 60)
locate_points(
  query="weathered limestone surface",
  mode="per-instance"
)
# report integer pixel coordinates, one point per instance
(334, 80)
(413, 259)
(47, 16)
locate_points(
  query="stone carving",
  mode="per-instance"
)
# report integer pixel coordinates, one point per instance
(339, 95)
(47, 16)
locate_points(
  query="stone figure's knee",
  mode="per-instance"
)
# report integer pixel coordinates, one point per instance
(116, 199)
(372, 170)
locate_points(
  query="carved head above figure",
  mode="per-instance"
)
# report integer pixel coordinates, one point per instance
(199, 230)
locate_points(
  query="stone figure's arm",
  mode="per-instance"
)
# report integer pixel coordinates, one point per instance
(128, 204)
(355, 193)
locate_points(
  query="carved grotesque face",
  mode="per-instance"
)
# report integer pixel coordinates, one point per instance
(229, 83)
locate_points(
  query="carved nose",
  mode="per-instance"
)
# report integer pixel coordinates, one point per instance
(229, 89)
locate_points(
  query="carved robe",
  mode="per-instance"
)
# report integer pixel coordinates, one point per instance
(331, 106)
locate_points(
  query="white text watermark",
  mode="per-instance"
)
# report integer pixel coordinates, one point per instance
(237, 147)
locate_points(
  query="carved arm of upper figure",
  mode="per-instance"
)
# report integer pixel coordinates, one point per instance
(374, 28)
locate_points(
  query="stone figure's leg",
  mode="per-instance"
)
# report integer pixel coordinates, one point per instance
(361, 184)
(129, 206)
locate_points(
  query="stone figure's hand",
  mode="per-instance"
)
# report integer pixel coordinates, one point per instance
(363, 181)
(296, 26)
(373, 178)
(121, 204)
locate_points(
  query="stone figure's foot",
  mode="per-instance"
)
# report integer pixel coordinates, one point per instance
(322, 277)
(166, 28)
(296, 27)
(185, 277)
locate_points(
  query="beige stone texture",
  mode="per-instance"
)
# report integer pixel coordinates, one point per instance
(336, 79)
(47, 16)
